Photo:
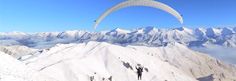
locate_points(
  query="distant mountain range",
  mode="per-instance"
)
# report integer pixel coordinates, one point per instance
(149, 36)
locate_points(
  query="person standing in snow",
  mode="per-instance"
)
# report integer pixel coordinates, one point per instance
(139, 72)
(94, 77)
(91, 78)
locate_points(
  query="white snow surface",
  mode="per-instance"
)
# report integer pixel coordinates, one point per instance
(17, 51)
(14, 70)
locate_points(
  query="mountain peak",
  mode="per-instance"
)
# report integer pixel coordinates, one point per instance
(182, 28)
(213, 32)
(227, 31)
(146, 30)
(119, 30)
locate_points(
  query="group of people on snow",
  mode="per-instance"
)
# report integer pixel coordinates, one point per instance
(139, 69)
(94, 77)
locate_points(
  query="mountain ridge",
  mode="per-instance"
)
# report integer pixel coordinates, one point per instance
(149, 36)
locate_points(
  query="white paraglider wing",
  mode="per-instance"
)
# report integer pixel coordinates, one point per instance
(148, 3)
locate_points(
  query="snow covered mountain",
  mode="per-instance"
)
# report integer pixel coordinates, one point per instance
(78, 62)
(165, 54)
(174, 62)
(143, 36)
(17, 51)
(15, 70)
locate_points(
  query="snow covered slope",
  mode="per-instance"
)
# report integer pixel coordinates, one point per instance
(174, 62)
(14, 70)
(16, 51)
(142, 36)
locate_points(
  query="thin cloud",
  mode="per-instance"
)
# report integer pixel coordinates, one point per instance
(225, 54)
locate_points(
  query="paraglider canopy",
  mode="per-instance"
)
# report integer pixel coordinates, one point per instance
(148, 3)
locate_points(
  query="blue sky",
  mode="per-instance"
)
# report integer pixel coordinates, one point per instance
(61, 15)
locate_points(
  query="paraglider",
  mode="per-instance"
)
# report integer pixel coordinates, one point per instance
(148, 3)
